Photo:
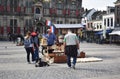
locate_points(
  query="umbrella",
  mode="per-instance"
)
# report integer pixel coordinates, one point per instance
(33, 33)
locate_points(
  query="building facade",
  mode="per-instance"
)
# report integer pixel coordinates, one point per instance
(117, 15)
(17, 16)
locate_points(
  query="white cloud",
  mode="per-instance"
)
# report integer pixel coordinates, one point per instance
(97, 4)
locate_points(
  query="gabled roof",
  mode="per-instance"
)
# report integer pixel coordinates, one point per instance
(87, 12)
(98, 15)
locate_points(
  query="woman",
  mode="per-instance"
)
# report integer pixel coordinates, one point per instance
(29, 47)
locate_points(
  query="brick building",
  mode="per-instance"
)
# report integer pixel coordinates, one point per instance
(17, 16)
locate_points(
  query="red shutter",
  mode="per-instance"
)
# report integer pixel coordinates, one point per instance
(68, 11)
(8, 8)
(18, 30)
(50, 10)
(32, 9)
(8, 29)
(1, 30)
(24, 9)
(1, 8)
(64, 12)
(18, 9)
(77, 12)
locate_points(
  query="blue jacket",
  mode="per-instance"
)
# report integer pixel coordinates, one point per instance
(50, 39)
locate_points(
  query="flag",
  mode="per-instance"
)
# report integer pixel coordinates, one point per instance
(52, 29)
(48, 23)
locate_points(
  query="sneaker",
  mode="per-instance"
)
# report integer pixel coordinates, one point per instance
(33, 62)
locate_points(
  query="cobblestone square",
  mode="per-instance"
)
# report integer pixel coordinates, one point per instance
(13, 64)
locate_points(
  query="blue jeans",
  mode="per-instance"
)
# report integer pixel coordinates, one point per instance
(36, 53)
(69, 60)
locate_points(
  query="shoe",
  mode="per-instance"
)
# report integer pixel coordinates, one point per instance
(73, 66)
(33, 62)
(69, 66)
(29, 63)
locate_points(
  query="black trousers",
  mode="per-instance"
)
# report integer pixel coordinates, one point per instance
(29, 51)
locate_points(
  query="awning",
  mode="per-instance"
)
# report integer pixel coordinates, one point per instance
(68, 25)
(115, 33)
(101, 32)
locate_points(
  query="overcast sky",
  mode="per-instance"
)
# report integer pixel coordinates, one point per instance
(97, 4)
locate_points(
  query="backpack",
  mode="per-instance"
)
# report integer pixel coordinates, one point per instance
(35, 41)
(27, 42)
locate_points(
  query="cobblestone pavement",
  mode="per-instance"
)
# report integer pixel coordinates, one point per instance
(13, 64)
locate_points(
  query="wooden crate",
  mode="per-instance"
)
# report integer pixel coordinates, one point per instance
(82, 55)
(58, 58)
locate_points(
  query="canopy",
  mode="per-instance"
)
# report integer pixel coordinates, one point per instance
(115, 33)
(101, 32)
(68, 25)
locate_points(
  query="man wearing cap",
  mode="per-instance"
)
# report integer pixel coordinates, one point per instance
(50, 38)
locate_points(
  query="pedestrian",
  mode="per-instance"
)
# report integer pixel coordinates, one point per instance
(29, 47)
(71, 46)
(51, 38)
(36, 44)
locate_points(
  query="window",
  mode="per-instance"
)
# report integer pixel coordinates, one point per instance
(111, 21)
(100, 26)
(108, 22)
(13, 22)
(57, 22)
(59, 6)
(28, 22)
(37, 11)
(117, 22)
(59, 12)
(46, 4)
(46, 11)
(73, 7)
(61, 22)
(97, 26)
(104, 22)
(71, 22)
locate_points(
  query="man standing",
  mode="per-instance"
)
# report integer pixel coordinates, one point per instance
(36, 45)
(71, 45)
(51, 38)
